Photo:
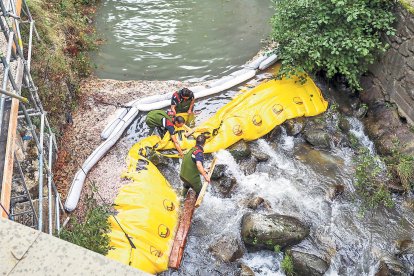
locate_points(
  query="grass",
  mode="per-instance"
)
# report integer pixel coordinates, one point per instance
(407, 5)
(60, 59)
(287, 265)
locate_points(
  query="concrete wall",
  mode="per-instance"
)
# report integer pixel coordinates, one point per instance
(392, 77)
(24, 251)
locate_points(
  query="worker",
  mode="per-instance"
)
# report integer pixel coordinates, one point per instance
(159, 119)
(192, 167)
(182, 101)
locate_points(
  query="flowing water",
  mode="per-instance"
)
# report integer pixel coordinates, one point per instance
(178, 39)
(296, 181)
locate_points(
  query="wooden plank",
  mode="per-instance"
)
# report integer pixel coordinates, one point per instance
(180, 240)
(204, 189)
(9, 159)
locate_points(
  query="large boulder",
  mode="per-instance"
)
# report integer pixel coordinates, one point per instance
(266, 231)
(318, 138)
(240, 150)
(305, 264)
(227, 249)
(294, 126)
(274, 134)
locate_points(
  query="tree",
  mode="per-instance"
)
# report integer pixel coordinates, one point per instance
(336, 36)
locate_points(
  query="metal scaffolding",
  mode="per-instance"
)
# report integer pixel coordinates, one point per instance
(18, 201)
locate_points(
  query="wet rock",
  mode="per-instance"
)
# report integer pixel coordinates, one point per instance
(361, 111)
(396, 188)
(246, 270)
(316, 122)
(240, 150)
(258, 153)
(391, 266)
(344, 125)
(307, 264)
(294, 126)
(248, 166)
(266, 231)
(274, 134)
(318, 138)
(224, 185)
(227, 249)
(340, 140)
(255, 202)
(157, 159)
(335, 191)
(405, 247)
(219, 171)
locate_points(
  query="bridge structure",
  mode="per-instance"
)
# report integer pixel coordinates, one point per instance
(26, 196)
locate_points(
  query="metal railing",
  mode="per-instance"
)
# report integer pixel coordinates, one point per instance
(18, 56)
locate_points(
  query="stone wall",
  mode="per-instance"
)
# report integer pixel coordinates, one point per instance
(391, 79)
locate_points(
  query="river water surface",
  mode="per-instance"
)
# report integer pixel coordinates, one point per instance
(178, 39)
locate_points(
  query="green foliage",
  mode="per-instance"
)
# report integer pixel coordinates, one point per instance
(370, 181)
(287, 265)
(406, 4)
(92, 233)
(277, 248)
(336, 36)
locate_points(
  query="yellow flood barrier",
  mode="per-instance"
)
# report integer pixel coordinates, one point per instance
(148, 206)
(248, 116)
(147, 212)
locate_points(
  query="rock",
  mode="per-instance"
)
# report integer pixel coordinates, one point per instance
(405, 247)
(395, 188)
(219, 171)
(248, 166)
(274, 134)
(344, 125)
(157, 159)
(255, 202)
(335, 191)
(294, 126)
(224, 185)
(227, 249)
(258, 153)
(240, 150)
(307, 264)
(266, 231)
(246, 270)
(390, 265)
(318, 138)
(361, 111)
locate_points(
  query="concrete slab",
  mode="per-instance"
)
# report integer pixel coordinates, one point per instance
(25, 251)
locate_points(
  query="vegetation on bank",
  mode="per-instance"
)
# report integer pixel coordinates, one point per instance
(60, 58)
(338, 37)
(406, 4)
(92, 232)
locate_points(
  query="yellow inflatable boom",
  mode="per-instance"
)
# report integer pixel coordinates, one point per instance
(248, 116)
(147, 212)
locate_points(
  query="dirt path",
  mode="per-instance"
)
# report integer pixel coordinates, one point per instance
(80, 139)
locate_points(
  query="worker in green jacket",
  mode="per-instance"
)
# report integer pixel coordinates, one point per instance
(192, 167)
(159, 119)
(182, 101)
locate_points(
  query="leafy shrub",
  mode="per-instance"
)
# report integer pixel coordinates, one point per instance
(92, 234)
(336, 36)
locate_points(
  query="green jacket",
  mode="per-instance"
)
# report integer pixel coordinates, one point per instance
(154, 118)
(189, 170)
